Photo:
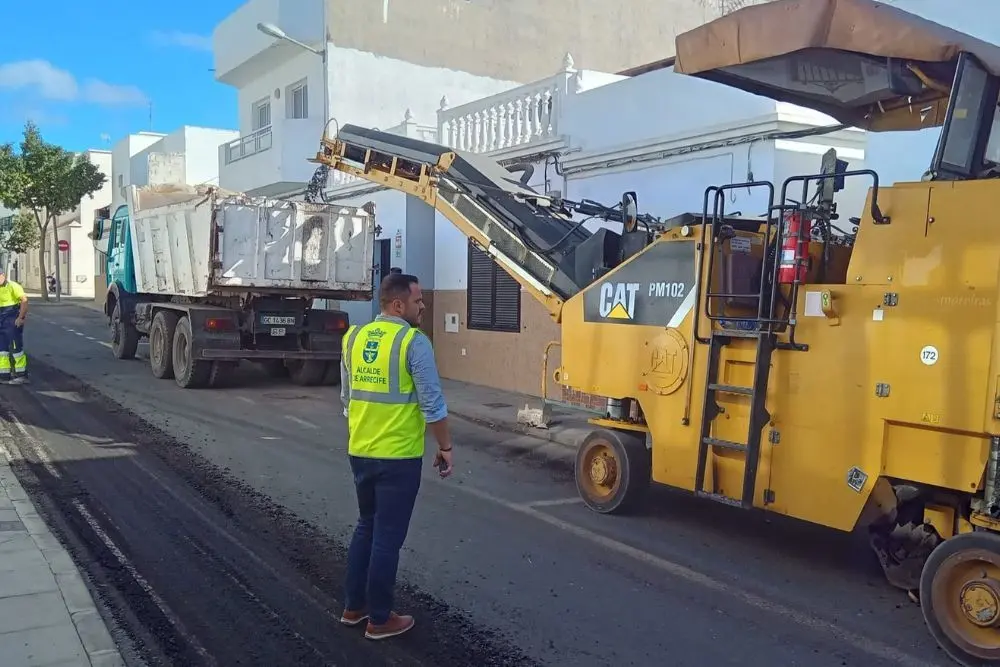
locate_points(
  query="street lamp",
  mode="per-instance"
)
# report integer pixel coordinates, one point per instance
(274, 31)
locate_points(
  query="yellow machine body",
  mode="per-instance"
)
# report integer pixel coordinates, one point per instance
(900, 378)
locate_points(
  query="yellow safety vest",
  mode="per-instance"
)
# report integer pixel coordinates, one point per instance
(10, 294)
(384, 419)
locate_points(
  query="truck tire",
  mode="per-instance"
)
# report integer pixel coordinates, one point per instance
(274, 368)
(161, 344)
(189, 373)
(222, 374)
(124, 336)
(306, 372)
(332, 376)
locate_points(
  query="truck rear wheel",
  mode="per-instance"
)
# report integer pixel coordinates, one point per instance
(161, 344)
(612, 471)
(189, 373)
(332, 375)
(124, 336)
(306, 372)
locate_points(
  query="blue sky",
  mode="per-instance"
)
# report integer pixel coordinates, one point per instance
(87, 73)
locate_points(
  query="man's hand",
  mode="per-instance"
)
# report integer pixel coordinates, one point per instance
(442, 461)
(19, 322)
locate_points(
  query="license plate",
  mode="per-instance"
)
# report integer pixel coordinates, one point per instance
(276, 320)
(277, 331)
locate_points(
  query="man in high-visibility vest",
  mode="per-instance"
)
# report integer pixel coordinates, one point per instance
(13, 312)
(392, 393)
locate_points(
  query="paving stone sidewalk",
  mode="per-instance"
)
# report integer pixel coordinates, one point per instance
(47, 615)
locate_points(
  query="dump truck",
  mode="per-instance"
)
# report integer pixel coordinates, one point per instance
(213, 278)
(846, 378)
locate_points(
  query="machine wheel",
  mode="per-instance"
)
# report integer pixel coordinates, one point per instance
(124, 336)
(189, 373)
(612, 471)
(960, 597)
(161, 344)
(306, 372)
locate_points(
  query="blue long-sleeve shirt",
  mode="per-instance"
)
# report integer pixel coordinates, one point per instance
(422, 366)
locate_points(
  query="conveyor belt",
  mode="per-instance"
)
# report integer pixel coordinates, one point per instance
(550, 247)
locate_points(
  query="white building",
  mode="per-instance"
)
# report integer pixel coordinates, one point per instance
(79, 264)
(187, 155)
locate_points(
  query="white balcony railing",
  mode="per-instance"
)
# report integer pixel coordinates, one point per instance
(511, 119)
(251, 144)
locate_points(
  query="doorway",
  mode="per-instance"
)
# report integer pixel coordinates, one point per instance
(380, 269)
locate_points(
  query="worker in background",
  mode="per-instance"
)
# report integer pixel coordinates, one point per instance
(390, 406)
(13, 312)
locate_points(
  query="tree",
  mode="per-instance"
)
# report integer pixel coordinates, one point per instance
(22, 236)
(47, 181)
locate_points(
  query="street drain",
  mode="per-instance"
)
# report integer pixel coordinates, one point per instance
(497, 405)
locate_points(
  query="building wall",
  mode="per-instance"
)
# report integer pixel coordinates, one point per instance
(516, 40)
(122, 173)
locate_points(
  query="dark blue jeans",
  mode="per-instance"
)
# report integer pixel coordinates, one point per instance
(387, 490)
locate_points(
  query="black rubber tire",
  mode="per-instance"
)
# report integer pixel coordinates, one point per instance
(275, 368)
(306, 372)
(161, 344)
(633, 465)
(124, 336)
(332, 376)
(222, 374)
(959, 545)
(189, 373)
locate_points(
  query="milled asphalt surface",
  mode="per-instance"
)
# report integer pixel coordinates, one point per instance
(230, 508)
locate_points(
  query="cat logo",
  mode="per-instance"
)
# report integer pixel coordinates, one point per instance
(618, 300)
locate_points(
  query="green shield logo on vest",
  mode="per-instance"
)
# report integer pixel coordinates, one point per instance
(370, 353)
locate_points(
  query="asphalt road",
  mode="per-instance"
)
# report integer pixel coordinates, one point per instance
(212, 524)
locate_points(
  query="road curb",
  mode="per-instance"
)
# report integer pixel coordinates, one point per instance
(568, 437)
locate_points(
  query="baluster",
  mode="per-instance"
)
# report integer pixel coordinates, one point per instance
(548, 101)
(518, 121)
(510, 135)
(501, 111)
(528, 129)
(463, 129)
(538, 103)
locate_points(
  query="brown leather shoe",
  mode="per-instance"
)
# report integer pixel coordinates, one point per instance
(353, 618)
(396, 625)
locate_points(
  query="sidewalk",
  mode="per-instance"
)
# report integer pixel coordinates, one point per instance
(498, 409)
(47, 615)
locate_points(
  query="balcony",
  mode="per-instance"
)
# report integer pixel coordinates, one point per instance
(272, 160)
(243, 53)
(518, 122)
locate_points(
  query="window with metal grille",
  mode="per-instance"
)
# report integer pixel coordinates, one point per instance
(494, 298)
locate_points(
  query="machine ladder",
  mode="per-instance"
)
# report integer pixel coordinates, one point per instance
(759, 328)
(758, 419)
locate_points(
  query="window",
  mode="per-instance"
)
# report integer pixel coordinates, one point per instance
(494, 298)
(297, 100)
(261, 114)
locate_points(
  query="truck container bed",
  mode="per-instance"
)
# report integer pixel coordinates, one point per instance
(199, 241)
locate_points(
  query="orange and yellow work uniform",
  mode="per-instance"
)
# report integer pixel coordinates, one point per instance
(13, 361)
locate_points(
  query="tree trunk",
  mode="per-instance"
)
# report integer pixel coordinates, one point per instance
(58, 258)
(41, 255)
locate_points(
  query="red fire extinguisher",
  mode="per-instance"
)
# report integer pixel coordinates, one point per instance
(793, 250)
